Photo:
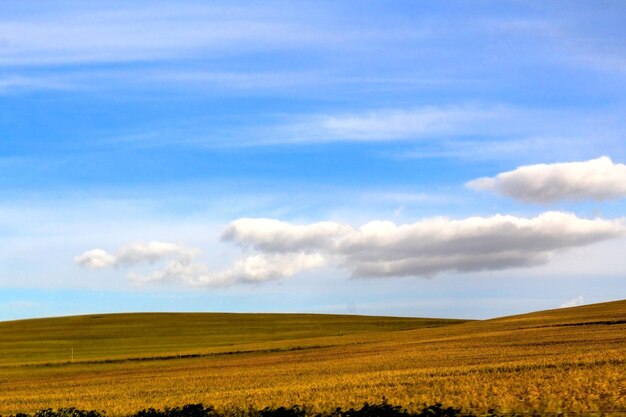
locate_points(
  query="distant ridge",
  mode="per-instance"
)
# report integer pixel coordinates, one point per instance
(119, 336)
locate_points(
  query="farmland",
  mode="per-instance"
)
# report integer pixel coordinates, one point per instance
(559, 360)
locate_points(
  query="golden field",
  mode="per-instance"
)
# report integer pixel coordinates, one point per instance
(559, 360)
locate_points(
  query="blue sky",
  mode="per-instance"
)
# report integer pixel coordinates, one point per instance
(126, 123)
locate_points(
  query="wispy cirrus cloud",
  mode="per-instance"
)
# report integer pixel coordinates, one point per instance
(424, 124)
(121, 33)
(20, 83)
(137, 34)
(463, 131)
(596, 179)
(466, 129)
(387, 124)
(525, 148)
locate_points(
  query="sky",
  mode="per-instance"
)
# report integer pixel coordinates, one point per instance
(436, 159)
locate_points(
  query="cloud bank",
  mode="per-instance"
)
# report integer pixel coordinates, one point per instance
(428, 247)
(596, 179)
(273, 249)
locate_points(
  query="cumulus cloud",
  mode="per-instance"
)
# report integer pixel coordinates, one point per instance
(596, 179)
(133, 254)
(249, 269)
(575, 302)
(428, 247)
(177, 264)
(274, 249)
(152, 252)
(95, 259)
(275, 236)
(263, 267)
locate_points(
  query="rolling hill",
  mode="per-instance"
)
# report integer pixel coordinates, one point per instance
(101, 337)
(550, 361)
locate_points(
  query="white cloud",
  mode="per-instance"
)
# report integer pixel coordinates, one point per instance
(274, 235)
(95, 259)
(133, 254)
(596, 179)
(250, 269)
(176, 264)
(578, 301)
(263, 267)
(429, 247)
(151, 252)
(274, 250)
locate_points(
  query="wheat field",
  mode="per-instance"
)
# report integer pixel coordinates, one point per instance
(559, 360)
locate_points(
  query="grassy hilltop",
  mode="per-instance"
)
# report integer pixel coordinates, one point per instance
(149, 335)
(558, 360)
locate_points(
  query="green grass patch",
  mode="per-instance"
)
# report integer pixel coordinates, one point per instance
(146, 335)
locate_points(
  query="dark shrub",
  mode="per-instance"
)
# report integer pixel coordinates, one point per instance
(68, 412)
(293, 411)
(189, 410)
(438, 410)
(376, 410)
(150, 412)
(384, 409)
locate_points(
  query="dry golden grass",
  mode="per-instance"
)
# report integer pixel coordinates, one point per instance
(559, 360)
